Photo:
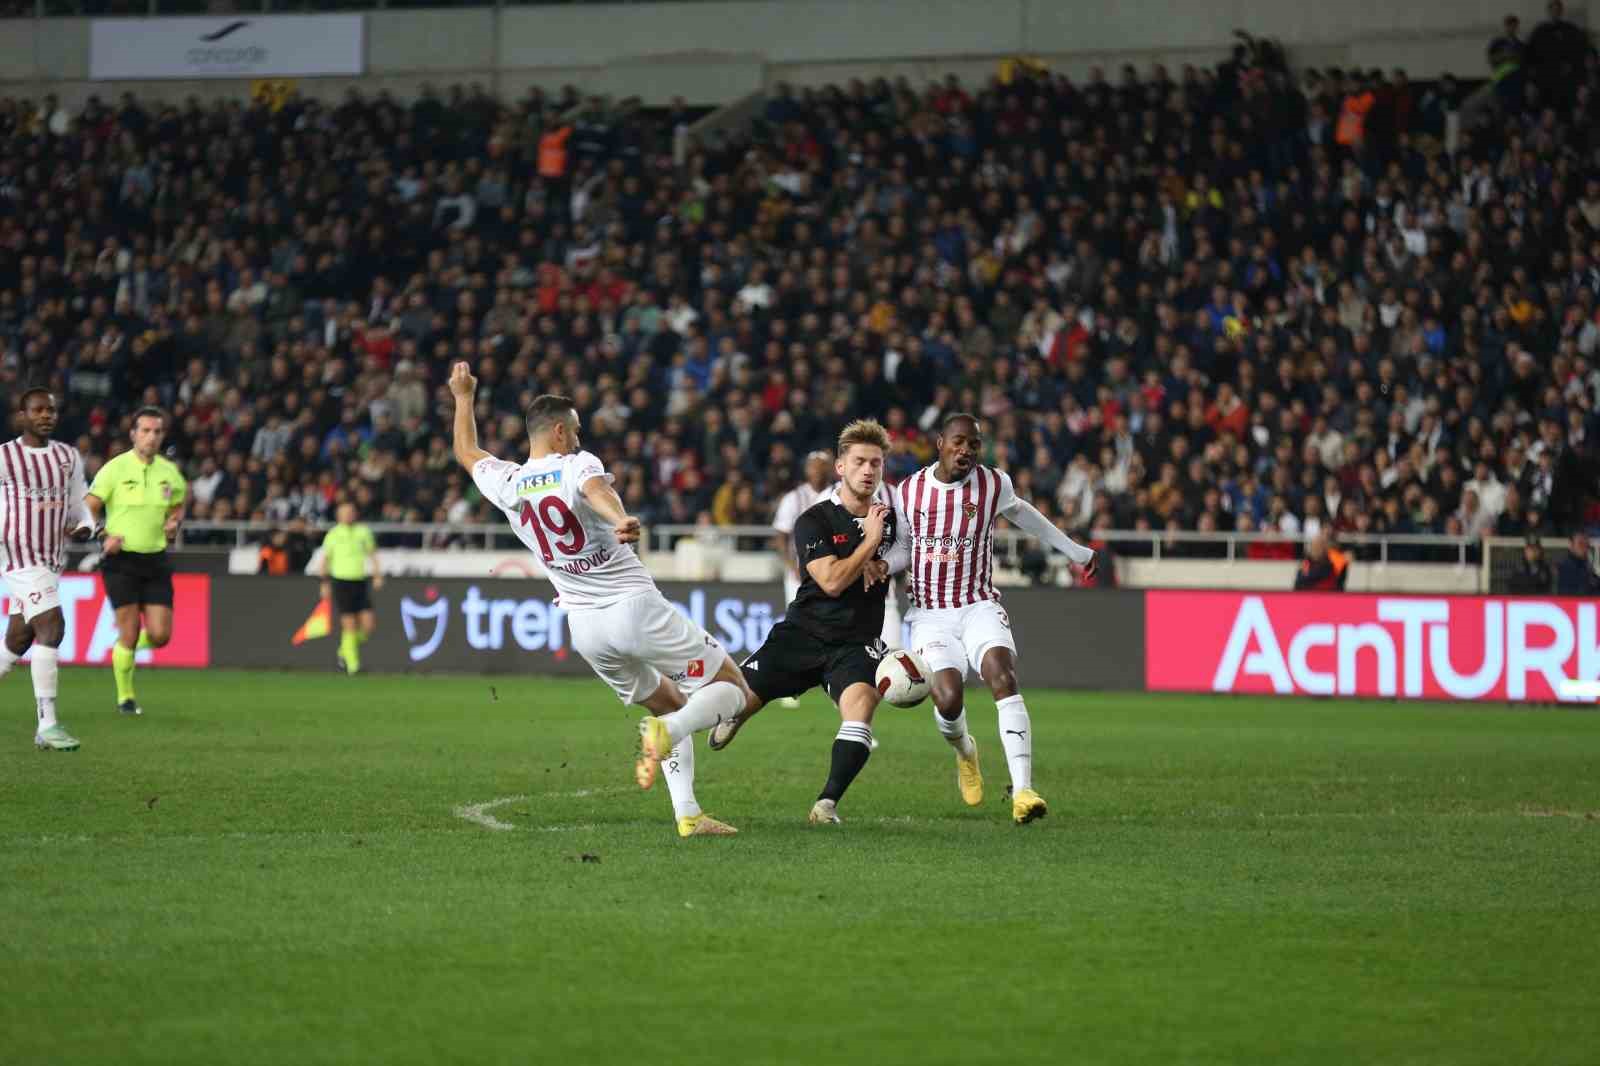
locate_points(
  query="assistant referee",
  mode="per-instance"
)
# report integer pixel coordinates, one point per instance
(138, 496)
(348, 551)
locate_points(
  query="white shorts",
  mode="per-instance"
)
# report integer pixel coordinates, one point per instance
(33, 591)
(632, 645)
(952, 638)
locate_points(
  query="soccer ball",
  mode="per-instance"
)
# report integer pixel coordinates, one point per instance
(904, 679)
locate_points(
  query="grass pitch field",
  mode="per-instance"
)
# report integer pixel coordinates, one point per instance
(275, 869)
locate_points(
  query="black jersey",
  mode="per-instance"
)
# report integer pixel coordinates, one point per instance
(855, 615)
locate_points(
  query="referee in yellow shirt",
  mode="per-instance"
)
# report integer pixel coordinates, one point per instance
(138, 496)
(349, 572)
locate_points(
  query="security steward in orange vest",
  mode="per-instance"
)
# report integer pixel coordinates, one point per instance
(1324, 568)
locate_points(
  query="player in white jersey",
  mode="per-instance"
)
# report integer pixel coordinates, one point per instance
(796, 502)
(561, 504)
(42, 487)
(948, 513)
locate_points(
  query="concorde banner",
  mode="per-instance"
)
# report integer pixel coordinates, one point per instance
(226, 46)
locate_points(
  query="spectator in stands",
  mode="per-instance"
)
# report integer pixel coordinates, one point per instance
(287, 551)
(1149, 273)
(1575, 575)
(1324, 569)
(1532, 576)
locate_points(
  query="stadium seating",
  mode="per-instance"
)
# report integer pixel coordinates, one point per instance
(1234, 299)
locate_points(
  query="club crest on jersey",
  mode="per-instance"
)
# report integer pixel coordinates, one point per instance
(970, 510)
(166, 491)
(534, 484)
(697, 668)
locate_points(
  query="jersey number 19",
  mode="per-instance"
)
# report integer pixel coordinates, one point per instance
(551, 517)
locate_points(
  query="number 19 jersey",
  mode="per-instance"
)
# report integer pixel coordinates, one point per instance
(543, 500)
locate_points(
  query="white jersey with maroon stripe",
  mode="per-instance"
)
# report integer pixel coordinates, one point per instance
(41, 501)
(951, 528)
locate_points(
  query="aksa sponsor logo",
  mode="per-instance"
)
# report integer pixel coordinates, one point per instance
(538, 484)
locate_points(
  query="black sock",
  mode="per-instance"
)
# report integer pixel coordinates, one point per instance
(851, 750)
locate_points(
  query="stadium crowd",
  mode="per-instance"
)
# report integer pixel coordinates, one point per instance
(1220, 299)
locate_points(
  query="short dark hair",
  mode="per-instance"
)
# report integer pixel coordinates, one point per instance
(545, 411)
(959, 416)
(150, 411)
(36, 390)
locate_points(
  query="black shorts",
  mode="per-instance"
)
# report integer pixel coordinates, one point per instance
(352, 597)
(137, 579)
(793, 661)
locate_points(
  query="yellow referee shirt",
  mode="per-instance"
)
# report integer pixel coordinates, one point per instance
(347, 549)
(138, 496)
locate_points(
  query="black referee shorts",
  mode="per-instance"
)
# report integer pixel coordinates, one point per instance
(137, 579)
(793, 661)
(352, 597)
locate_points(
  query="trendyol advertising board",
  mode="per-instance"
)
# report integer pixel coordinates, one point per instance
(91, 626)
(1335, 644)
(1083, 639)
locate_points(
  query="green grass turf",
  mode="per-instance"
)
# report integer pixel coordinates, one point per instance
(269, 869)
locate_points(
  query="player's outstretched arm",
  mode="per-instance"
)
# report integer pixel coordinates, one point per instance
(464, 387)
(1026, 517)
(608, 505)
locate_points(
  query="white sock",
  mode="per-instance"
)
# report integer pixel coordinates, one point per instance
(44, 684)
(8, 659)
(709, 704)
(678, 769)
(954, 730)
(1016, 734)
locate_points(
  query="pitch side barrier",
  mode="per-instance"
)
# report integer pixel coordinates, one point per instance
(1493, 648)
(1536, 649)
(1066, 639)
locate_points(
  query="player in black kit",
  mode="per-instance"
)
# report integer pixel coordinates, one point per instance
(830, 634)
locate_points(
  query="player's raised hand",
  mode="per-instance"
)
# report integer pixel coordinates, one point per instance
(1090, 568)
(872, 525)
(627, 530)
(463, 386)
(875, 571)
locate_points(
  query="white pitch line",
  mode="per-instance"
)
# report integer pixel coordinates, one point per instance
(478, 813)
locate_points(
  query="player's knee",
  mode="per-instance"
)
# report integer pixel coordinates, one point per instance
(48, 629)
(18, 641)
(1002, 682)
(159, 638)
(947, 699)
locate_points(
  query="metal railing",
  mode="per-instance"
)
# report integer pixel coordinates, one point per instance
(1152, 544)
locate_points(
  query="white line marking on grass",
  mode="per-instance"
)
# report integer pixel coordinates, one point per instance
(478, 813)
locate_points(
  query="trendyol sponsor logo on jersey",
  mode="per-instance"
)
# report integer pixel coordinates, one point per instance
(535, 624)
(1335, 644)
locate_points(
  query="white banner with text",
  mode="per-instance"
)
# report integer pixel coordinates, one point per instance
(226, 47)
